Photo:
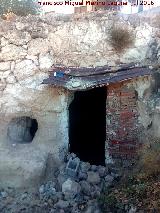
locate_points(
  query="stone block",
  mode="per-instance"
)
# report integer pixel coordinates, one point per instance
(72, 167)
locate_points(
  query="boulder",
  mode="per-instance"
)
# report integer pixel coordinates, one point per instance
(102, 171)
(12, 52)
(93, 177)
(62, 204)
(70, 188)
(94, 168)
(85, 166)
(61, 179)
(108, 180)
(85, 187)
(82, 175)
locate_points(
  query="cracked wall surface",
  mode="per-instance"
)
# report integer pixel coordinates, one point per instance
(29, 46)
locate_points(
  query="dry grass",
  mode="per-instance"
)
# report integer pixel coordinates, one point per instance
(150, 157)
(121, 38)
(140, 189)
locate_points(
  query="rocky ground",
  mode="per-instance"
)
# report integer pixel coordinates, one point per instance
(65, 192)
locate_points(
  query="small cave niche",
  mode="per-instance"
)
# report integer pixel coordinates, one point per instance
(22, 130)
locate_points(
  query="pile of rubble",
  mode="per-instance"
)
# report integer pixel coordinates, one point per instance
(75, 187)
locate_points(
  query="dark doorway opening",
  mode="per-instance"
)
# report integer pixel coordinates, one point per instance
(87, 125)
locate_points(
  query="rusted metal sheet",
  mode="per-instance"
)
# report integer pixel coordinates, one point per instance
(92, 77)
(87, 71)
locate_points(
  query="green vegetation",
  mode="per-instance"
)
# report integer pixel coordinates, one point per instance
(18, 7)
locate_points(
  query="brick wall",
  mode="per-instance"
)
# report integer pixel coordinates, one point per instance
(122, 122)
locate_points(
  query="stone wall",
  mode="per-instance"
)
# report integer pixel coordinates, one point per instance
(122, 122)
(28, 48)
(125, 118)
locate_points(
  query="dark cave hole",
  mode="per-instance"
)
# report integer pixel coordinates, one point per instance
(87, 125)
(22, 129)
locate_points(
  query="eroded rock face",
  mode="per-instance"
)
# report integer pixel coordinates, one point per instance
(12, 52)
(29, 47)
(78, 41)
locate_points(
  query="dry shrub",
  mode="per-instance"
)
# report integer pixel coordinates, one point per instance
(150, 157)
(9, 16)
(121, 38)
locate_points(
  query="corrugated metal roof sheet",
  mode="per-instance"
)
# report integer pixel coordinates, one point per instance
(74, 78)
